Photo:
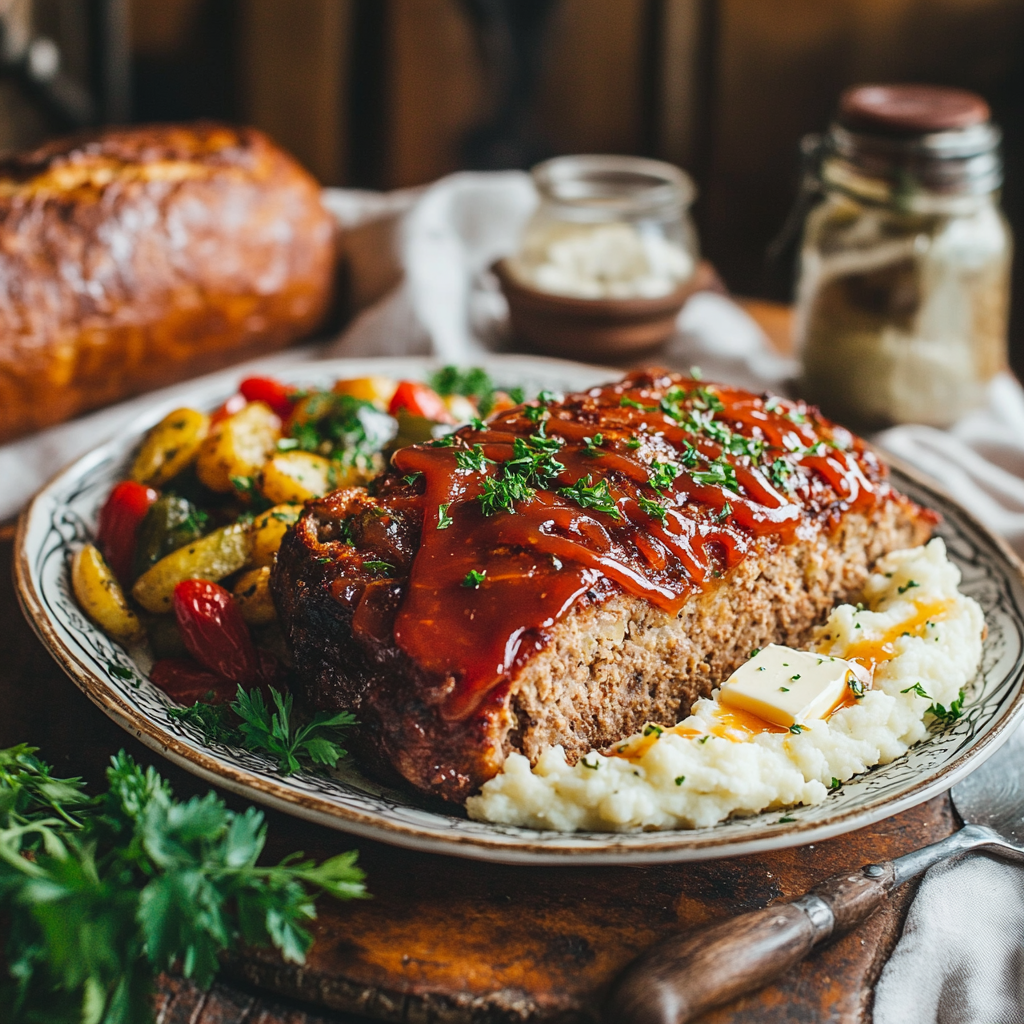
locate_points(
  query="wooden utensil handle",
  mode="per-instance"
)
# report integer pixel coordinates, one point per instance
(693, 971)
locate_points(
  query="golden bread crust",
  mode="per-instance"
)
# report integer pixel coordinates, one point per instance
(136, 257)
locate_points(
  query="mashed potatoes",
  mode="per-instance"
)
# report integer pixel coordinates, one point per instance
(919, 633)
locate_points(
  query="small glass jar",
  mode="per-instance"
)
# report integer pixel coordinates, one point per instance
(903, 297)
(608, 227)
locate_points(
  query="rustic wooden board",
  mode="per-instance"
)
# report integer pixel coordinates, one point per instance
(447, 940)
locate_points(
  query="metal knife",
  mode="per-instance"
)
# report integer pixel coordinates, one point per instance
(691, 972)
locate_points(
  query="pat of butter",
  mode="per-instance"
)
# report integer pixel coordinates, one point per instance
(787, 687)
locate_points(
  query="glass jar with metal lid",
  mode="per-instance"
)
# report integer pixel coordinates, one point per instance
(903, 296)
(608, 227)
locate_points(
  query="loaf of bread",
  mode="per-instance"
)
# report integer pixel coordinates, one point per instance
(135, 257)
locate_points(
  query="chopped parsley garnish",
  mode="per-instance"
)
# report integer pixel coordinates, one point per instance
(587, 764)
(412, 478)
(795, 677)
(474, 578)
(591, 444)
(795, 416)
(725, 512)
(653, 508)
(689, 455)
(754, 651)
(533, 464)
(547, 397)
(533, 459)
(590, 495)
(652, 729)
(918, 689)
(945, 717)
(785, 821)
(628, 403)
(447, 441)
(473, 383)
(856, 687)
(120, 672)
(719, 473)
(703, 739)
(443, 519)
(535, 413)
(680, 779)
(907, 586)
(340, 426)
(797, 728)
(633, 442)
(500, 495)
(662, 475)
(779, 473)
(835, 784)
(517, 395)
(784, 689)
(473, 461)
(376, 565)
(477, 424)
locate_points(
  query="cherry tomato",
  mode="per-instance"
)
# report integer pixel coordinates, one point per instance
(186, 681)
(420, 401)
(119, 524)
(280, 397)
(236, 403)
(214, 632)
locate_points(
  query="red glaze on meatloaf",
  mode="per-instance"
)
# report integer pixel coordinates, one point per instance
(573, 569)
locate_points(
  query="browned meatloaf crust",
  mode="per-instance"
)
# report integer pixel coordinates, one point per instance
(614, 659)
(134, 257)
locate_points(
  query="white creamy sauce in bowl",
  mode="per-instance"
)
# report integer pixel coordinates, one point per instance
(917, 635)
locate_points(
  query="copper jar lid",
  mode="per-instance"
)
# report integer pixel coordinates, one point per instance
(910, 109)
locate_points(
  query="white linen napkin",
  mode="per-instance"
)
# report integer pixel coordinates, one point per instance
(961, 958)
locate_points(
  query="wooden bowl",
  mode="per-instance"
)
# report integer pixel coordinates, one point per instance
(589, 329)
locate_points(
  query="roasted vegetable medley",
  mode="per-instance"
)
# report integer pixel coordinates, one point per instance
(184, 547)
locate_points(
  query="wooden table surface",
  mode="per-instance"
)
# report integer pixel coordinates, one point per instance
(446, 940)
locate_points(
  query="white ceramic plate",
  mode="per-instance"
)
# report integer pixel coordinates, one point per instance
(63, 516)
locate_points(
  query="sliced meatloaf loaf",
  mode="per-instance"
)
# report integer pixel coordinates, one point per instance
(576, 568)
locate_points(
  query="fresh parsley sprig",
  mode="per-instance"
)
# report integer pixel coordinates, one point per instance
(268, 731)
(99, 894)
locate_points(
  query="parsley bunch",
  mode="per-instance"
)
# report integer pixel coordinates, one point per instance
(268, 731)
(101, 893)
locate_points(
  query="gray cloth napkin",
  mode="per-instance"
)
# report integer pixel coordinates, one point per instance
(427, 252)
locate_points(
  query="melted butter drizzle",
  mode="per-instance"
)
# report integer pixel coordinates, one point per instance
(551, 553)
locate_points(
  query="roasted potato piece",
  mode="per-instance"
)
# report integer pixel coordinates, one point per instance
(170, 446)
(101, 598)
(213, 557)
(296, 476)
(268, 531)
(237, 446)
(252, 594)
(379, 390)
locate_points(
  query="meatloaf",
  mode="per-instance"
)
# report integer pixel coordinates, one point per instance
(135, 257)
(575, 568)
